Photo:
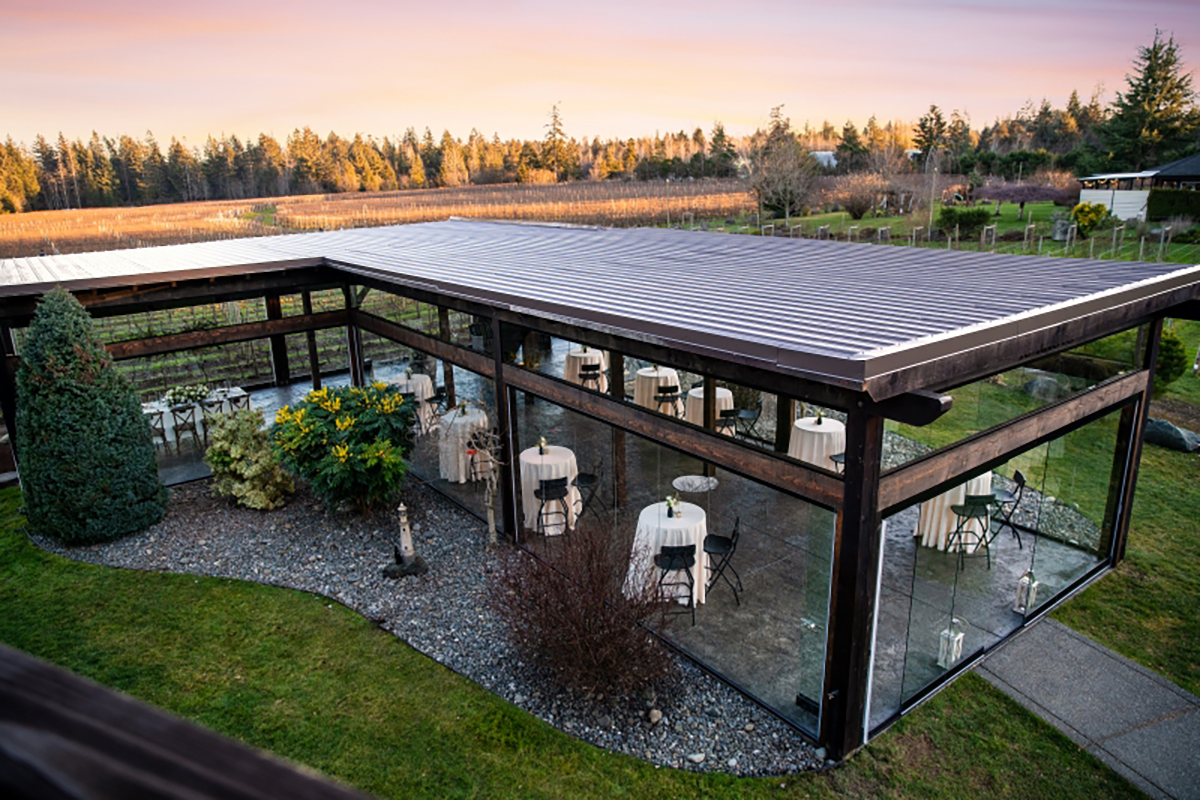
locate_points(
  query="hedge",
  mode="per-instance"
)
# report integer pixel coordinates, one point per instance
(1167, 203)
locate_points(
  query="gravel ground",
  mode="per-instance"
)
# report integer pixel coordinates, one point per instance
(699, 723)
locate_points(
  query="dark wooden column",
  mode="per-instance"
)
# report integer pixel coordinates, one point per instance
(710, 414)
(1136, 429)
(785, 418)
(8, 385)
(447, 367)
(853, 585)
(508, 486)
(279, 359)
(314, 362)
(354, 340)
(616, 388)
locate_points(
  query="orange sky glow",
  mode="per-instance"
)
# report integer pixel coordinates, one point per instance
(617, 69)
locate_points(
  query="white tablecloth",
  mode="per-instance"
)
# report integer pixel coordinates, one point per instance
(646, 383)
(654, 530)
(577, 358)
(937, 521)
(454, 463)
(558, 462)
(695, 405)
(816, 443)
(221, 393)
(421, 386)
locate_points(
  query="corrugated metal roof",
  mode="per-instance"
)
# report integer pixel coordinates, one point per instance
(848, 312)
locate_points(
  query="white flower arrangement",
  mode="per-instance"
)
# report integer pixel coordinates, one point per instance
(186, 395)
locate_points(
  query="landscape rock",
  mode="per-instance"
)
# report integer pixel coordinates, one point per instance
(696, 758)
(1164, 434)
(1044, 388)
(655, 716)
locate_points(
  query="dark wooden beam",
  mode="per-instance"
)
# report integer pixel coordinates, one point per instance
(616, 389)
(310, 338)
(853, 589)
(1189, 311)
(447, 367)
(791, 476)
(279, 357)
(249, 331)
(453, 354)
(1136, 434)
(710, 413)
(921, 479)
(508, 433)
(785, 419)
(354, 339)
(63, 737)
(8, 385)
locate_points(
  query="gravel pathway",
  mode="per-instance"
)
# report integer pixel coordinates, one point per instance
(699, 722)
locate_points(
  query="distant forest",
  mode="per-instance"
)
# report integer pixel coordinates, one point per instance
(130, 171)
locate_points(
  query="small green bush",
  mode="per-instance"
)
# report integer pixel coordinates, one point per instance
(1088, 216)
(243, 464)
(88, 469)
(970, 221)
(349, 443)
(1172, 361)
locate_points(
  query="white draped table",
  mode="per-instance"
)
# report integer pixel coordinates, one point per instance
(576, 359)
(226, 396)
(656, 530)
(454, 462)
(694, 412)
(647, 381)
(936, 521)
(557, 462)
(816, 443)
(421, 387)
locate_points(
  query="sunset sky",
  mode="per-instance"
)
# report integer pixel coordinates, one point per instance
(619, 68)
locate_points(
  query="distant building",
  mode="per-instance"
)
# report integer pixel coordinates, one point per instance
(826, 158)
(1125, 194)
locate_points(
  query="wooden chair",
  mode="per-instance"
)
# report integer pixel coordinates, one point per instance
(238, 401)
(183, 418)
(158, 428)
(210, 410)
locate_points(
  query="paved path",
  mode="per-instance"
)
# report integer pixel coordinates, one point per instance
(1140, 724)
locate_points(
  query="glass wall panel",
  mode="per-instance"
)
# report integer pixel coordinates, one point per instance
(945, 597)
(768, 638)
(999, 398)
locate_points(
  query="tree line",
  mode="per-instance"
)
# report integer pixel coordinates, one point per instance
(1153, 121)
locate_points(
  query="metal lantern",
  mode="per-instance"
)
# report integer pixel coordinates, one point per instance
(1027, 588)
(951, 643)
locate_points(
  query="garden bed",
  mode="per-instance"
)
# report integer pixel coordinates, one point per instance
(445, 614)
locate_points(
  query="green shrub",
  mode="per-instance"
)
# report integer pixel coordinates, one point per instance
(349, 443)
(1164, 203)
(88, 470)
(1088, 216)
(1172, 361)
(242, 462)
(970, 221)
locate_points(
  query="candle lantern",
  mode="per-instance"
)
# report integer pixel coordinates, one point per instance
(1027, 588)
(541, 445)
(951, 643)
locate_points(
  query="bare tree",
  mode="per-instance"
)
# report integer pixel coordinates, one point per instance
(783, 176)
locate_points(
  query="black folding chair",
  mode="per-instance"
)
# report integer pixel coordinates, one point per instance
(748, 419)
(727, 419)
(589, 376)
(1006, 506)
(676, 559)
(668, 396)
(588, 484)
(722, 549)
(839, 461)
(975, 507)
(552, 495)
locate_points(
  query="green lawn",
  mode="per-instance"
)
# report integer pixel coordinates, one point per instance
(310, 680)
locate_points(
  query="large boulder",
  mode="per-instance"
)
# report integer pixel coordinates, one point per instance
(1045, 388)
(1164, 434)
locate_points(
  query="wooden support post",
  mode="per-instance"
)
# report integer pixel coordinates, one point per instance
(447, 367)
(504, 424)
(1121, 528)
(710, 414)
(853, 589)
(8, 385)
(530, 358)
(785, 418)
(616, 388)
(314, 362)
(279, 358)
(354, 340)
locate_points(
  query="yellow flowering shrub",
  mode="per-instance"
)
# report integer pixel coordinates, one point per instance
(348, 442)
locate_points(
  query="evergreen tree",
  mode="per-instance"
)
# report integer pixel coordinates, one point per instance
(1156, 118)
(554, 149)
(88, 470)
(931, 134)
(851, 150)
(453, 169)
(722, 157)
(18, 179)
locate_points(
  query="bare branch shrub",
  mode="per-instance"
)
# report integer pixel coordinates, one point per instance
(858, 193)
(568, 613)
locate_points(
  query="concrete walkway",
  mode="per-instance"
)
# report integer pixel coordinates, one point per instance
(1140, 724)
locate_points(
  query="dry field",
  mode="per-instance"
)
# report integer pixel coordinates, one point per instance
(610, 203)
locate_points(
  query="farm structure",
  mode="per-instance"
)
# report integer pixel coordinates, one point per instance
(871, 571)
(1126, 194)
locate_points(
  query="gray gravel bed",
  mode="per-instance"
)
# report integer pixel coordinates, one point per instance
(693, 722)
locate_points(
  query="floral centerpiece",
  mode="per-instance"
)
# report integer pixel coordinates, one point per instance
(186, 395)
(672, 504)
(349, 442)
